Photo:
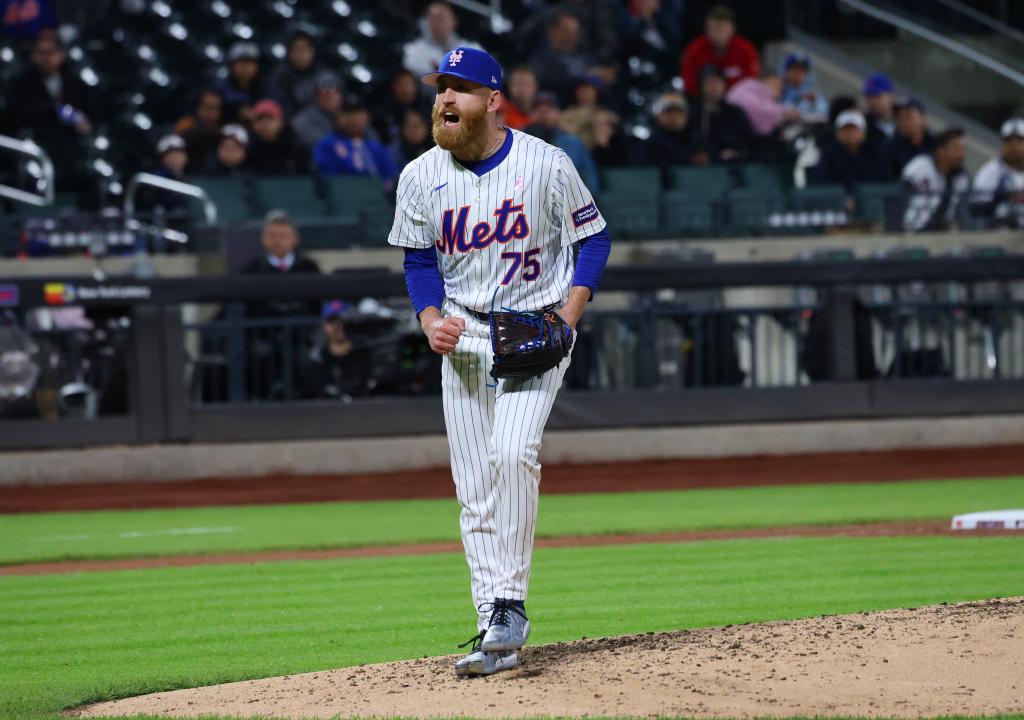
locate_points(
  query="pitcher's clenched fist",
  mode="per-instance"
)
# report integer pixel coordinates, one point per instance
(442, 332)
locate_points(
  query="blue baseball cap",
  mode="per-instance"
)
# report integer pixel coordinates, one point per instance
(876, 84)
(797, 58)
(469, 64)
(335, 308)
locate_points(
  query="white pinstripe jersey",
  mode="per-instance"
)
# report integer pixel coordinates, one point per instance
(510, 230)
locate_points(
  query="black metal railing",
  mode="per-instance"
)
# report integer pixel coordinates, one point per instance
(867, 338)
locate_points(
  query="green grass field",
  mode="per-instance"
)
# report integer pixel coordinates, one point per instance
(69, 639)
(117, 534)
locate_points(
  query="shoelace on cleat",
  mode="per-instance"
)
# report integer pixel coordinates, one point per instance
(476, 640)
(501, 612)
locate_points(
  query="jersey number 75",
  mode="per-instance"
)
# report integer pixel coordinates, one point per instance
(526, 260)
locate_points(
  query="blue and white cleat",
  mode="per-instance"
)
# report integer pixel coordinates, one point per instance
(478, 663)
(508, 627)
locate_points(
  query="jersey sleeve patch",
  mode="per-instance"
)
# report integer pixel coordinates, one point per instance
(585, 214)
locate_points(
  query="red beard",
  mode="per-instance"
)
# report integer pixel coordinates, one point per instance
(466, 139)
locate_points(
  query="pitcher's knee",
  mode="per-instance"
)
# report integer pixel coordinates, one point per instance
(523, 459)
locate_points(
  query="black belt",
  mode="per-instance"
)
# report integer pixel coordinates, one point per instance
(481, 316)
(486, 317)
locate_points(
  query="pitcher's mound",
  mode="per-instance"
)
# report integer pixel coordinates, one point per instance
(965, 659)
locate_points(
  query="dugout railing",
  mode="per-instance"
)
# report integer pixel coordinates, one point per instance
(957, 348)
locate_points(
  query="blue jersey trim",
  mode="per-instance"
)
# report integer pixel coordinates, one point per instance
(487, 164)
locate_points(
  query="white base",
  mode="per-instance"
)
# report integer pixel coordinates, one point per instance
(990, 520)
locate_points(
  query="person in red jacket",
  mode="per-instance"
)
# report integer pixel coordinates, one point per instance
(720, 46)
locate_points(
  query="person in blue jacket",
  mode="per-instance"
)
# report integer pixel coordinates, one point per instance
(349, 151)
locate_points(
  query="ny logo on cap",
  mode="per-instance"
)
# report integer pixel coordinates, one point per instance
(455, 57)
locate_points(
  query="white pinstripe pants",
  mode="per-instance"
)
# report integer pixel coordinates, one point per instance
(494, 434)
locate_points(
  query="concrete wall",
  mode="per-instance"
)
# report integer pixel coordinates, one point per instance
(323, 457)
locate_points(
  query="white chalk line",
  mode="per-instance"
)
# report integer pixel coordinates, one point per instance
(135, 534)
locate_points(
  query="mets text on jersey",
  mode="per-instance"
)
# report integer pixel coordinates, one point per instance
(453, 229)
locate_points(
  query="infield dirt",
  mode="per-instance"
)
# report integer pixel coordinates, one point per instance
(963, 659)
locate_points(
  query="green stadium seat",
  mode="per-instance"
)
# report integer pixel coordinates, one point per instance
(629, 214)
(689, 215)
(232, 196)
(765, 178)
(750, 211)
(877, 202)
(632, 182)
(349, 195)
(295, 194)
(714, 180)
(820, 197)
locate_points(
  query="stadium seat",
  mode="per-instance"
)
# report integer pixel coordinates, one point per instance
(750, 211)
(294, 194)
(632, 182)
(689, 215)
(232, 196)
(359, 198)
(765, 178)
(820, 197)
(629, 214)
(878, 202)
(630, 200)
(713, 181)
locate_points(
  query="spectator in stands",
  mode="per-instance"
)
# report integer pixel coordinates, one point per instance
(578, 118)
(201, 130)
(49, 98)
(413, 140)
(653, 32)
(243, 86)
(599, 25)
(294, 81)
(266, 347)
(405, 97)
(280, 240)
(723, 125)
(998, 192)
(934, 183)
(878, 97)
(851, 159)
(720, 46)
(840, 104)
(760, 100)
(672, 137)
(611, 147)
(348, 151)
(232, 153)
(546, 126)
(273, 150)
(338, 368)
(172, 156)
(799, 90)
(518, 105)
(560, 63)
(318, 118)
(26, 19)
(171, 162)
(439, 35)
(912, 137)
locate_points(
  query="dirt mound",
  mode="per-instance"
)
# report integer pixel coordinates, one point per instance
(964, 659)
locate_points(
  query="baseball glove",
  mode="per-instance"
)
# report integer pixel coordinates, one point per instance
(528, 344)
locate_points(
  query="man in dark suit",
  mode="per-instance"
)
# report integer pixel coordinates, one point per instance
(280, 239)
(268, 347)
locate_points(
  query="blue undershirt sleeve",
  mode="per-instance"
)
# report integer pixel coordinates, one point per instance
(423, 279)
(592, 258)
